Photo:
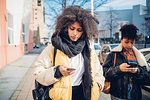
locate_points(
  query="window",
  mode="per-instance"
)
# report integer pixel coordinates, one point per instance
(23, 33)
(10, 28)
(39, 2)
(147, 18)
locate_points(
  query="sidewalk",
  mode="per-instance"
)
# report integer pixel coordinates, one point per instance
(16, 79)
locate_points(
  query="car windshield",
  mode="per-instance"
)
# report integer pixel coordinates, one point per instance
(113, 46)
(147, 57)
(97, 47)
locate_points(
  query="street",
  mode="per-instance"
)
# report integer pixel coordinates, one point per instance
(18, 83)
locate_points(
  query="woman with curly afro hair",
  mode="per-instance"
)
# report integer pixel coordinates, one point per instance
(130, 71)
(74, 70)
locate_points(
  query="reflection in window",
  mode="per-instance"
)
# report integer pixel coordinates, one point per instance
(23, 33)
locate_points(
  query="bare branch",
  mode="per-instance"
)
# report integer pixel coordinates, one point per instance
(55, 7)
(99, 3)
(83, 2)
(73, 2)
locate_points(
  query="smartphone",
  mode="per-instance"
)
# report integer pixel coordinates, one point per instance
(71, 69)
(132, 65)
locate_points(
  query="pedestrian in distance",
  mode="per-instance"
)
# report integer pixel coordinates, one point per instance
(76, 73)
(131, 69)
(103, 53)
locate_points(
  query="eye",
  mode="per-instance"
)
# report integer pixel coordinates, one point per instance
(80, 30)
(71, 28)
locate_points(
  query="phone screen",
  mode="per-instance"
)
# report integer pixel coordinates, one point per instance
(71, 69)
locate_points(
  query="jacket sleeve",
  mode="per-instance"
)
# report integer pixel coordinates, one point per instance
(99, 73)
(44, 71)
(143, 75)
(111, 72)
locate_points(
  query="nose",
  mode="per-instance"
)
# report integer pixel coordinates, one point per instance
(129, 45)
(75, 32)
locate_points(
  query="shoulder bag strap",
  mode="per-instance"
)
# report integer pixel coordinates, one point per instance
(114, 60)
(55, 50)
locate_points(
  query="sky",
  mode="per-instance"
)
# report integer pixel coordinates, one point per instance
(121, 4)
(114, 4)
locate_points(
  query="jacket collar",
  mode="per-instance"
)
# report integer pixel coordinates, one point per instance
(140, 58)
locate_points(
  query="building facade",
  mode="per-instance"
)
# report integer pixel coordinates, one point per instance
(112, 20)
(38, 21)
(11, 31)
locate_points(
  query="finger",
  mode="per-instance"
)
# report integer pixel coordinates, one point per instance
(64, 68)
(135, 70)
(132, 70)
(72, 72)
(65, 74)
(127, 65)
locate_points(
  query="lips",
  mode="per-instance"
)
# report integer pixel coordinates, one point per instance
(128, 49)
(74, 37)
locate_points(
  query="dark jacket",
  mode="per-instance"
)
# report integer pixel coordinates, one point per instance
(119, 80)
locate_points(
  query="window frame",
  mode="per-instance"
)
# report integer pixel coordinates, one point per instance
(10, 28)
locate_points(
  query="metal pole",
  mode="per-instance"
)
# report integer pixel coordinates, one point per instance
(144, 35)
(92, 8)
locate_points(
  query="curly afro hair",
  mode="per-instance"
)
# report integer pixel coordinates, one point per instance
(82, 16)
(129, 31)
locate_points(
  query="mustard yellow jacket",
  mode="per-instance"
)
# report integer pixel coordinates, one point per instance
(62, 89)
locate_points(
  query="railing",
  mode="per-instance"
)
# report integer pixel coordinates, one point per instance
(140, 46)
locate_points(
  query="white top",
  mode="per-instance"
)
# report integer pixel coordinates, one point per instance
(77, 62)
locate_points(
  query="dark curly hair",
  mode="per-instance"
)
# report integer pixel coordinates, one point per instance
(83, 17)
(129, 31)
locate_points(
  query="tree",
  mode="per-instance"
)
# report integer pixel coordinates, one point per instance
(55, 7)
(147, 25)
(111, 22)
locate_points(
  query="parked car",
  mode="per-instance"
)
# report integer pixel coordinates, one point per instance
(146, 53)
(112, 45)
(97, 48)
(36, 46)
(105, 50)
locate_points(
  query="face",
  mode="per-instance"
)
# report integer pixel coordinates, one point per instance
(75, 31)
(127, 43)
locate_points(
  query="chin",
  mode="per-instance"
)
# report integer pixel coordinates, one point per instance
(74, 40)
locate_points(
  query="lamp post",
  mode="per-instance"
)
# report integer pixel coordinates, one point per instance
(144, 35)
(92, 12)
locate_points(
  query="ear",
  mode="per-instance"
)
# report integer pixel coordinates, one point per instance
(121, 41)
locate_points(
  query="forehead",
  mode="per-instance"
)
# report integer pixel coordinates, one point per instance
(76, 24)
(130, 40)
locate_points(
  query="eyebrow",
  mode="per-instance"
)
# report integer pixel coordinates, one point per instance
(75, 27)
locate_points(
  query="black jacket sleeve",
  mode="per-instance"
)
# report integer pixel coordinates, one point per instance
(57, 73)
(143, 75)
(111, 72)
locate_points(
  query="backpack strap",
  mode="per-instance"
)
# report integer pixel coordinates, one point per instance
(114, 60)
(55, 51)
